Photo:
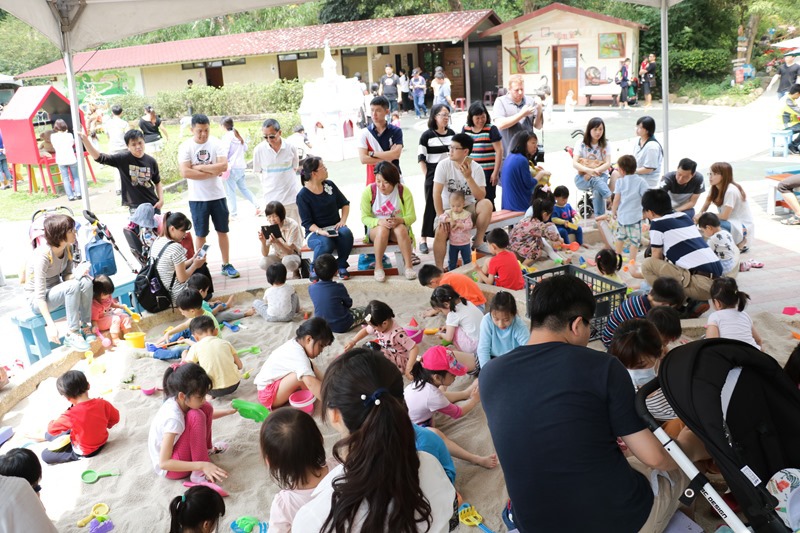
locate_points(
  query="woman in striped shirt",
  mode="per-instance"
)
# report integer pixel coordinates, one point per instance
(487, 148)
(434, 146)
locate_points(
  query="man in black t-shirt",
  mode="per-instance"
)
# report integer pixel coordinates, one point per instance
(138, 172)
(789, 73)
(388, 87)
(555, 409)
(684, 186)
(648, 74)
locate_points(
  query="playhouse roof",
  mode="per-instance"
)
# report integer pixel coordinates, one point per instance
(27, 101)
(433, 27)
(565, 8)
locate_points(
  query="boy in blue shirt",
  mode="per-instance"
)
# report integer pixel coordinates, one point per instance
(627, 206)
(331, 300)
(563, 216)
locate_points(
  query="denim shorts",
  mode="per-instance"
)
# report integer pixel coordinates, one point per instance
(201, 211)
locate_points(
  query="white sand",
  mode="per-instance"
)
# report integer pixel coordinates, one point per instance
(139, 498)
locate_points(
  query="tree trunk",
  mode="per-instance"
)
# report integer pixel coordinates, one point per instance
(455, 5)
(752, 29)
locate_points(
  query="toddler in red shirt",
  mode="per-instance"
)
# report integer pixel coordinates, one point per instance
(84, 426)
(503, 269)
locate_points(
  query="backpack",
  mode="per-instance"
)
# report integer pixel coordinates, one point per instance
(100, 254)
(618, 77)
(149, 289)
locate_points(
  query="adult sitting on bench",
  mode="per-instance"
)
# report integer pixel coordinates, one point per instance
(786, 188)
(790, 116)
(459, 173)
(51, 284)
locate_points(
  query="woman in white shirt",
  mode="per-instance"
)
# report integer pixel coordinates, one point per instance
(362, 397)
(64, 143)
(648, 153)
(731, 201)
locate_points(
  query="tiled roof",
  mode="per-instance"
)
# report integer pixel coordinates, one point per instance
(432, 27)
(496, 30)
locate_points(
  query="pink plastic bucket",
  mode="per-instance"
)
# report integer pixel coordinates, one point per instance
(303, 400)
(415, 334)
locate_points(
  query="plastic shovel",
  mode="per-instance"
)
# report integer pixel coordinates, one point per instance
(252, 349)
(99, 509)
(136, 317)
(90, 476)
(233, 327)
(469, 516)
(254, 411)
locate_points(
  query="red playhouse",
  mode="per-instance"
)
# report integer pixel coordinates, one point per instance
(30, 109)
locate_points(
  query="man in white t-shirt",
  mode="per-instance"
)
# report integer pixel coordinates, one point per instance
(115, 128)
(459, 173)
(201, 162)
(276, 163)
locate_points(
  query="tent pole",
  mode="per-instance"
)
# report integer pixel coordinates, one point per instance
(665, 79)
(76, 120)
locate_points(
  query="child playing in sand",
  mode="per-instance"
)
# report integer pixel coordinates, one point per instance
(503, 268)
(627, 206)
(502, 329)
(107, 313)
(289, 368)
(84, 426)
(331, 300)
(667, 321)
(460, 242)
(280, 302)
(395, 343)
(180, 438)
(221, 310)
(23, 463)
(216, 356)
(665, 291)
(198, 509)
(462, 322)
(439, 367)
(431, 276)
(609, 264)
(719, 240)
(527, 236)
(564, 216)
(294, 451)
(177, 339)
(730, 321)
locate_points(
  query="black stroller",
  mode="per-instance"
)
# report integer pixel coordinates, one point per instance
(745, 409)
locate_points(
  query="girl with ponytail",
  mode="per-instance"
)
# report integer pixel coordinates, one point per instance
(196, 511)
(730, 321)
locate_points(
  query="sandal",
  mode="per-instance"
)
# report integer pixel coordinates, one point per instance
(219, 447)
(793, 220)
(415, 260)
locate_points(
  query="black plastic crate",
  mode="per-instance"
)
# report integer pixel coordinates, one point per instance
(608, 294)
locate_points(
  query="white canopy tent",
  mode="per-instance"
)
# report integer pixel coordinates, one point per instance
(789, 43)
(75, 25)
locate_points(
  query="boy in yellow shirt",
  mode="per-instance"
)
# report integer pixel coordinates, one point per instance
(217, 356)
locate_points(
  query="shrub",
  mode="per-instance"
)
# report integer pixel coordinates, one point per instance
(132, 105)
(709, 65)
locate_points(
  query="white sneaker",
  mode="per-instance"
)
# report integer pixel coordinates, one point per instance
(380, 275)
(411, 274)
(76, 341)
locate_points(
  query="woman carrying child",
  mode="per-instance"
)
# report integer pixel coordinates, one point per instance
(286, 248)
(730, 321)
(526, 238)
(180, 440)
(289, 368)
(392, 338)
(107, 313)
(173, 267)
(362, 396)
(502, 329)
(462, 322)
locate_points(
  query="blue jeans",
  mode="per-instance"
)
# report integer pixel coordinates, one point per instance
(343, 244)
(75, 295)
(419, 104)
(566, 232)
(65, 179)
(599, 189)
(236, 181)
(454, 250)
(5, 173)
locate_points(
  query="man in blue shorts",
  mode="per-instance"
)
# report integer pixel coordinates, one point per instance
(201, 162)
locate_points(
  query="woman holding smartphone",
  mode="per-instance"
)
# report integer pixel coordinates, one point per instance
(323, 214)
(173, 267)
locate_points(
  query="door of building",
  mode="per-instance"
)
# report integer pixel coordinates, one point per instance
(454, 70)
(565, 70)
(483, 58)
(214, 77)
(287, 70)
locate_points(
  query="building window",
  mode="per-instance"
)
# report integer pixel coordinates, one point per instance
(383, 49)
(232, 62)
(354, 51)
(209, 64)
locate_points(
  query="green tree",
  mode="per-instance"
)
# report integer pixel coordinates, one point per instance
(23, 47)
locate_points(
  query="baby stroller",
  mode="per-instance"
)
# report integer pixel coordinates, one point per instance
(36, 230)
(101, 233)
(746, 411)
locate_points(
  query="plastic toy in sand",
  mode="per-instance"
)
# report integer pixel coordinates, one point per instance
(790, 311)
(249, 524)
(90, 476)
(106, 340)
(99, 509)
(252, 349)
(136, 317)
(101, 524)
(470, 517)
(303, 400)
(413, 331)
(254, 411)
(213, 486)
(430, 331)
(6, 432)
(233, 327)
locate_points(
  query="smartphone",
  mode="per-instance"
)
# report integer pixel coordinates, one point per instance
(331, 231)
(203, 251)
(273, 229)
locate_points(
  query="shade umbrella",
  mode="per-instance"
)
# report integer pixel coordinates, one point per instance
(789, 43)
(75, 25)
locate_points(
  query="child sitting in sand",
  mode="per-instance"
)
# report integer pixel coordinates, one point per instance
(198, 509)
(460, 241)
(609, 264)
(216, 356)
(331, 300)
(667, 321)
(564, 215)
(177, 339)
(528, 235)
(294, 451)
(720, 241)
(503, 268)
(502, 329)
(431, 276)
(180, 438)
(665, 291)
(439, 367)
(730, 321)
(23, 463)
(627, 206)
(462, 322)
(394, 342)
(84, 426)
(107, 313)
(221, 310)
(280, 302)
(289, 368)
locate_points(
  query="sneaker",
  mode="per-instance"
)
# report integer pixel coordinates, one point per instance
(313, 278)
(411, 274)
(793, 220)
(88, 334)
(380, 275)
(228, 270)
(508, 518)
(344, 274)
(75, 340)
(423, 248)
(697, 308)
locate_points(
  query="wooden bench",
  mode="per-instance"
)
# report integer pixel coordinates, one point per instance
(367, 248)
(593, 92)
(774, 198)
(32, 325)
(504, 219)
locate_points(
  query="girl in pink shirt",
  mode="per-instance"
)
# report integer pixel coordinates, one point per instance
(107, 313)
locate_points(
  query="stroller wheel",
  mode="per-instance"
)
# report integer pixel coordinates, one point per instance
(585, 206)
